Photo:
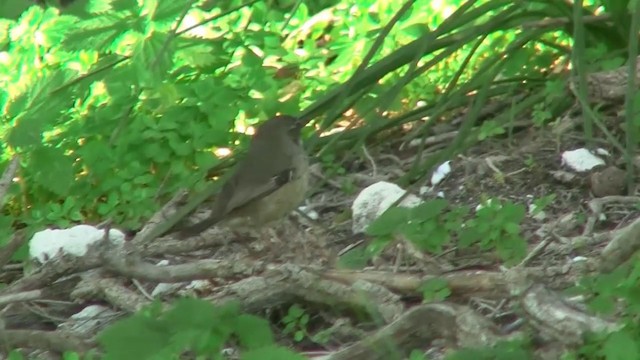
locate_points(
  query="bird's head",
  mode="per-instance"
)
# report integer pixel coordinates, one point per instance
(279, 125)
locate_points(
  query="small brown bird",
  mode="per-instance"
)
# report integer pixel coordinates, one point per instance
(267, 184)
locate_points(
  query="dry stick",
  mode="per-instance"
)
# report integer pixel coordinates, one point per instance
(597, 207)
(422, 325)
(374, 169)
(460, 282)
(63, 265)
(21, 296)
(155, 226)
(553, 317)
(18, 238)
(7, 178)
(624, 243)
(194, 270)
(9, 249)
(51, 271)
(110, 289)
(56, 341)
(535, 252)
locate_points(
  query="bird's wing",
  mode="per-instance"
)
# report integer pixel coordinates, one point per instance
(230, 198)
(249, 190)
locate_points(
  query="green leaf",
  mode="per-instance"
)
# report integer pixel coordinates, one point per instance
(354, 259)
(251, 60)
(27, 132)
(621, 345)
(196, 313)
(435, 289)
(15, 355)
(53, 169)
(416, 355)
(416, 30)
(388, 222)
(68, 355)
(428, 210)
(53, 32)
(98, 6)
(153, 58)
(378, 244)
(29, 20)
(253, 332)
(148, 7)
(133, 338)
(210, 56)
(602, 304)
(122, 5)
(468, 236)
(168, 10)
(98, 32)
(295, 311)
(5, 25)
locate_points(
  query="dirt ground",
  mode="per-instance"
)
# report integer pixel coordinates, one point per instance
(349, 312)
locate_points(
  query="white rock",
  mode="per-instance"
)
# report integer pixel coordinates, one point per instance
(484, 204)
(307, 210)
(538, 215)
(75, 241)
(375, 200)
(166, 288)
(581, 160)
(199, 284)
(441, 172)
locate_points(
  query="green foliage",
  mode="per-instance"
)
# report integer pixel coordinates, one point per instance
(497, 225)
(427, 225)
(120, 109)
(609, 293)
(621, 344)
(540, 114)
(529, 161)
(417, 355)
(15, 355)
(357, 258)
(434, 223)
(71, 356)
(332, 168)
(489, 129)
(540, 204)
(119, 104)
(189, 325)
(435, 290)
(296, 322)
(607, 290)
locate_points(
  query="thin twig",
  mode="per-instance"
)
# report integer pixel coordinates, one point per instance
(373, 162)
(7, 178)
